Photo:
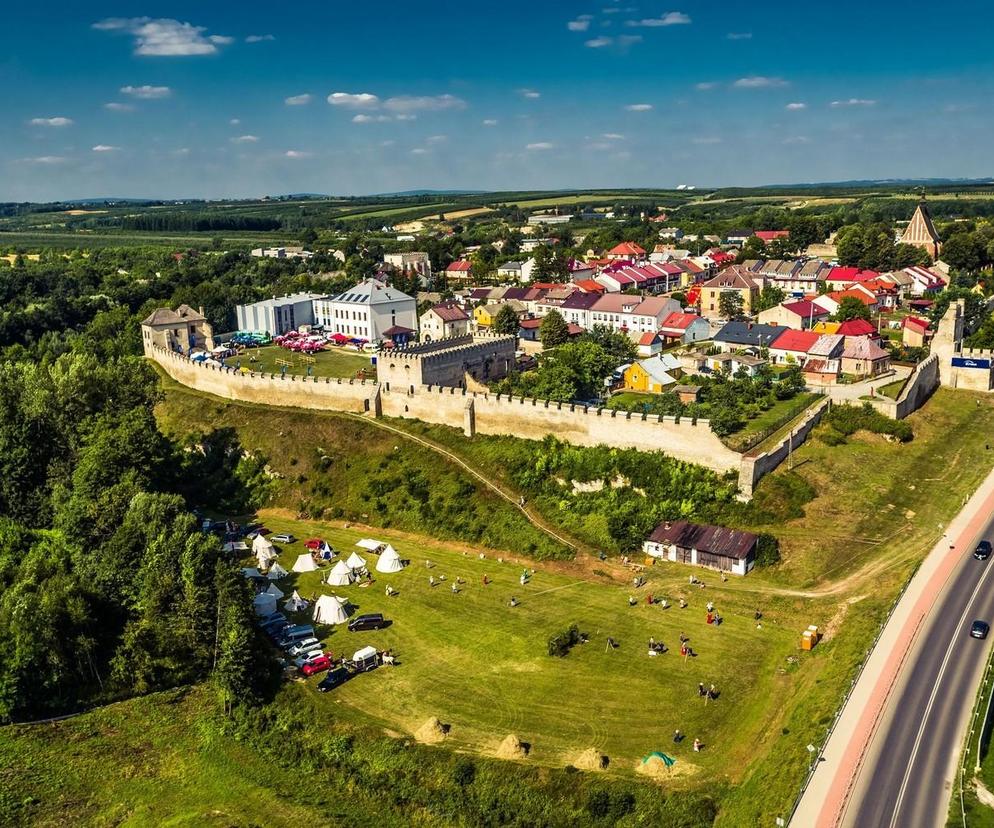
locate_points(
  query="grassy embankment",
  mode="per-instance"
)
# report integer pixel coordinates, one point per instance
(863, 515)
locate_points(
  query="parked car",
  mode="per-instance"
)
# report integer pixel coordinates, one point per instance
(299, 648)
(979, 629)
(335, 677)
(272, 618)
(983, 550)
(318, 663)
(304, 658)
(283, 537)
(370, 621)
(294, 634)
(316, 666)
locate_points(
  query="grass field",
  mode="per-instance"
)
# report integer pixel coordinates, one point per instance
(481, 666)
(68, 239)
(332, 362)
(858, 518)
(157, 761)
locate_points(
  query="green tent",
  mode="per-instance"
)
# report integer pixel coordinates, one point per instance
(669, 761)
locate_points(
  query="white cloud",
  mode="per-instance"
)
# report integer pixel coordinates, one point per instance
(531, 94)
(706, 140)
(706, 86)
(668, 19)
(235, 121)
(298, 154)
(628, 40)
(354, 100)
(797, 139)
(165, 37)
(490, 122)
(404, 117)
(613, 136)
(370, 119)
(640, 107)
(46, 159)
(147, 93)
(115, 106)
(581, 24)
(853, 102)
(245, 139)
(739, 36)
(426, 103)
(794, 107)
(541, 145)
(759, 82)
(105, 148)
(600, 145)
(598, 42)
(259, 38)
(181, 152)
(58, 121)
(419, 151)
(388, 143)
(298, 100)
(436, 139)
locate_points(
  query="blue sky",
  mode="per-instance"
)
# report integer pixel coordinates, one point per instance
(226, 99)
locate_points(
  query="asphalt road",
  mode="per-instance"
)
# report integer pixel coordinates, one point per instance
(907, 780)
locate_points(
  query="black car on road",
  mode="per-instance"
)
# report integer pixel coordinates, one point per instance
(983, 550)
(979, 629)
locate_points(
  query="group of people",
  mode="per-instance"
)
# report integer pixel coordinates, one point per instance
(709, 693)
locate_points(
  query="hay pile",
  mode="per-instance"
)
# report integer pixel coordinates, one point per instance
(591, 760)
(655, 769)
(512, 748)
(431, 732)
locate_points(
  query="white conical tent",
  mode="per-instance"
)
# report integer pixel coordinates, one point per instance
(261, 544)
(295, 603)
(330, 609)
(276, 572)
(340, 574)
(304, 563)
(275, 591)
(389, 561)
(264, 603)
(355, 561)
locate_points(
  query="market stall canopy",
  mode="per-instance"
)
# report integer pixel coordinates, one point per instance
(370, 544)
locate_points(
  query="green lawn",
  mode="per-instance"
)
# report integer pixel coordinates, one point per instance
(758, 428)
(892, 389)
(481, 666)
(334, 361)
(150, 762)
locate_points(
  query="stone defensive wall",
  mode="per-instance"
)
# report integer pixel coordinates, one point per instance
(919, 387)
(477, 413)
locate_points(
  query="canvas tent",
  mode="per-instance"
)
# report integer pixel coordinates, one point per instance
(276, 572)
(330, 609)
(355, 561)
(235, 546)
(389, 561)
(264, 603)
(251, 572)
(295, 603)
(304, 563)
(262, 544)
(340, 574)
(275, 591)
(370, 544)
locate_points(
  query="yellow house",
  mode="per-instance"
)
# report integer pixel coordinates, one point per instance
(484, 315)
(652, 376)
(826, 327)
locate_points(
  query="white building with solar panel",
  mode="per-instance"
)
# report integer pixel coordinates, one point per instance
(371, 311)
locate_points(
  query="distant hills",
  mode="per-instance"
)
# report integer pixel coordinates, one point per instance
(880, 182)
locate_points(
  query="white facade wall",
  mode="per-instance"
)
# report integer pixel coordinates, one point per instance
(365, 320)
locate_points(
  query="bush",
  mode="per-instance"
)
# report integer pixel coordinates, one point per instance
(848, 419)
(830, 437)
(561, 643)
(767, 550)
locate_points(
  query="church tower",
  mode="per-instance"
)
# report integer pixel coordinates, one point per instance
(920, 231)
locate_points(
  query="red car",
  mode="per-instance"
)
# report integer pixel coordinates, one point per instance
(316, 665)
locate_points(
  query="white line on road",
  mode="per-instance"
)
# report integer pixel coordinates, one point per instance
(931, 699)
